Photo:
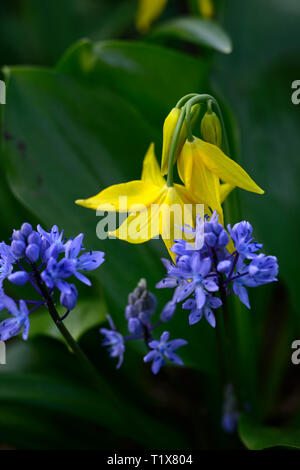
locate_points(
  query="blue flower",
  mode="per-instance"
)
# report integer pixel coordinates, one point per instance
(141, 306)
(53, 242)
(20, 321)
(196, 313)
(261, 270)
(56, 272)
(193, 274)
(6, 261)
(164, 349)
(86, 262)
(241, 235)
(115, 342)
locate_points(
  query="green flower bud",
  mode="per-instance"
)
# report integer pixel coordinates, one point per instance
(211, 129)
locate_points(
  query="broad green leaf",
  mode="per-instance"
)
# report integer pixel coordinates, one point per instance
(42, 374)
(198, 31)
(257, 437)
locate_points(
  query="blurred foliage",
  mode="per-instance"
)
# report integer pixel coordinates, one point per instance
(84, 121)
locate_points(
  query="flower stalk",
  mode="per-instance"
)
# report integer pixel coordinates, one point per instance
(72, 343)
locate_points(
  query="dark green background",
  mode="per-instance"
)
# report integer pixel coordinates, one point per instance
(78, 121)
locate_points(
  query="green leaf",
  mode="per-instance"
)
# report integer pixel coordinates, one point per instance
(198, 31)
(43, 375)
(258, 437)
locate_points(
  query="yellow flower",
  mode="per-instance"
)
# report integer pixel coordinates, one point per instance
(148, 11)
(206, 8)
(154, 208)
(201, 165)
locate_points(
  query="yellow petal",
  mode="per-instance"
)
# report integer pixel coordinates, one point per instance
(225, 168)
(122, 197)
(148, 11)
(206, 8)
(139, 227)
(177, 210)
(225, 190)
(200, 182)
(151, 171)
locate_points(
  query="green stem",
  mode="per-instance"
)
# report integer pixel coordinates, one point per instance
(184, 99)
(173, 146)
(82, 358)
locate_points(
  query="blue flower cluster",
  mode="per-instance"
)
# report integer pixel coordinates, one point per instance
(138, 313)
(204, 273)
(46, 260)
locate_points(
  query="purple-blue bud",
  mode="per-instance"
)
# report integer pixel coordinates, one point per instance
(168, 311)
(210, 239)
(18, 248)
(68, 300)
(19, 278)
(224, 266)
(26, 229)
(134, 326)
(223, 239)
(32, 252)
(18, 236)
(34, 238)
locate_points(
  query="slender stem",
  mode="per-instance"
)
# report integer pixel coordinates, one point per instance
(65, 315)
(173, 146)
(83, 359)
(184, 99)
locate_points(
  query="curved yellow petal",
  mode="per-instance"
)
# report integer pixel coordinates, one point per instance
(225, 168)
(200, 182)
(122, 197)
(151, 171)
(206, 8)
(225, 190)
(148, 11)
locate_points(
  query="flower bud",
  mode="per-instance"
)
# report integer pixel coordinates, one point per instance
(34, 238)
(68, 300)
(211, 129)
(26, 229)
(168, 131)
(32, 252)
(168, 311)
(18, 248)
(19, 278)
(134, 326)
(206, 8)
(224, 266)
(18, 236)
